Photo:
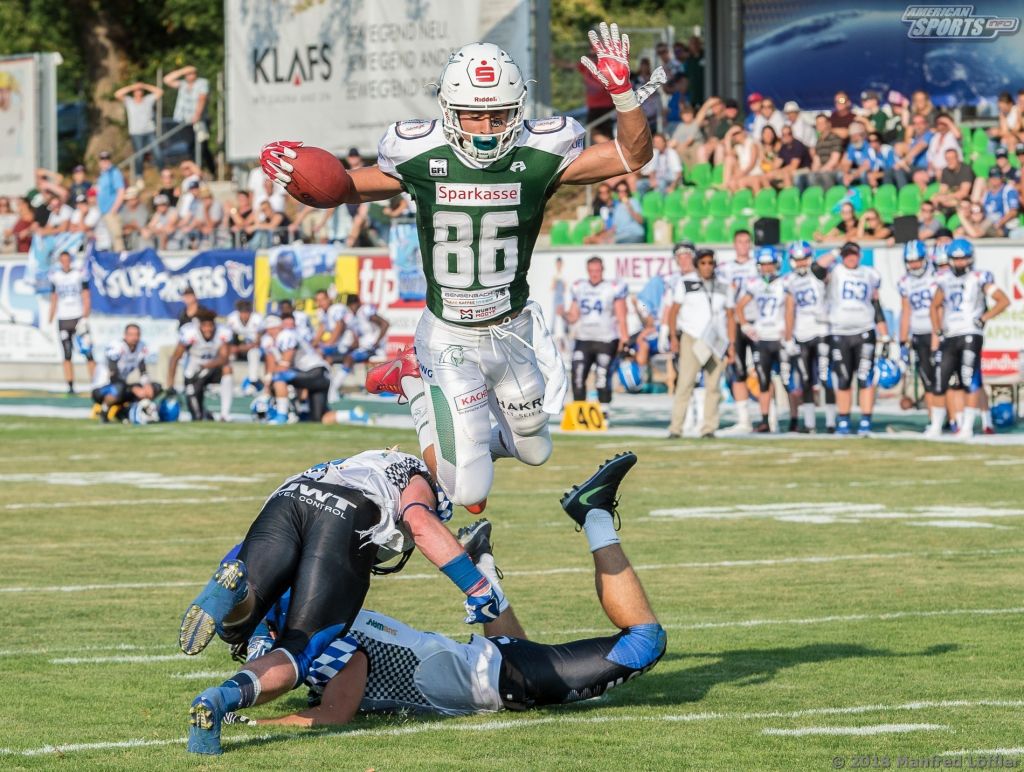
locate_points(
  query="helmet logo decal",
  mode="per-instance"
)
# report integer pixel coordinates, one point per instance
(485, 73)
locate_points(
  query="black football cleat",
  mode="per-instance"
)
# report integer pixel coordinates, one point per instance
(600, 490)
(475, 538)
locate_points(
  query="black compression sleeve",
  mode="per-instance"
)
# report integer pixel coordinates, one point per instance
(818, 271)
(879, 314)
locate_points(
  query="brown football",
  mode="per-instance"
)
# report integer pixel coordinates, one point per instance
(318, 178)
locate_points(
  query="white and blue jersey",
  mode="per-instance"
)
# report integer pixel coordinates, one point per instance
(362, 334)
(768, 297)
(596, 303)
(918, 291)
(851, 296)
(68, 287)
(247, 331)
(199, 351)
(810, 310)
(963, 301)
(1001, 202)
(119, 361)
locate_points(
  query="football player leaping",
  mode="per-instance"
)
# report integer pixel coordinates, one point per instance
(481, 177)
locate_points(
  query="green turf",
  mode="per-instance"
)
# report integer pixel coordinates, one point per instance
(694, 710)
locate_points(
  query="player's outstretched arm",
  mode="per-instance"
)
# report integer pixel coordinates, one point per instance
(633, 147)
(368, 183)
(340, 701)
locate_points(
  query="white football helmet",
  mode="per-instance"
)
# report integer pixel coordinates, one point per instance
(479, 77)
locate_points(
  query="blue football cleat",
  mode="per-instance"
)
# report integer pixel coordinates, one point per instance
(600, 490)
(843, 426)
(204, 720)
(221, 594)
(864, 428)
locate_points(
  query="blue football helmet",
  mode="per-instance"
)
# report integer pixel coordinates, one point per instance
(1002, 415)
(960, 248)
(887, 373)
(261, 407)
(766, 255)
(800, 250)
(940, 255)
(83, 338)
(914, 249)
(143, 412)
(630, 375)
(169, 409)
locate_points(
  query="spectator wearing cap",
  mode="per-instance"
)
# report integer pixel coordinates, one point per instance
(927, 224)
(871, 110)
(110, 189)
(1001, 202)
(842, 115)
(754, 101)
(803, 130)
(767, 115)
(190, 110)
(1009, 172)
(79, 182)
(955, 181)
(84, 219)
(686, 136)
(945, 138)
(828, 154)
(161, 230)
(134, 217)
(663, 172)
(140, 101)
(354, 160)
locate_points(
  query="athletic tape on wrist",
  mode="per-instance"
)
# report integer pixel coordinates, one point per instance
(625, 101)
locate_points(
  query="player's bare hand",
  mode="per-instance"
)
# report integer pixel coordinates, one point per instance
(612, 50)
(273, 161)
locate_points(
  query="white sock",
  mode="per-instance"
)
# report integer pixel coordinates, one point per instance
(970, 413)
(600, 529)
(486, 566)
(282, 405)
(227, 383)
(412, 387)
(938, 417)
(808, 412)
(253, 358)
(830, 416)
(986, 419)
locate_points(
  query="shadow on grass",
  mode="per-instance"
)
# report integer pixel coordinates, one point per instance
(751, 667)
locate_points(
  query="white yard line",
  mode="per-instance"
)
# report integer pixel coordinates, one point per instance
(45, 505)
(29, 652)
(497, 725)
(987, 752)
(93, 587)
(854, 730)
(201, 675)
(127, 659)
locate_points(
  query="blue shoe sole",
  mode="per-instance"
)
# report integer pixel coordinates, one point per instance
(204, 729)
(207, 611)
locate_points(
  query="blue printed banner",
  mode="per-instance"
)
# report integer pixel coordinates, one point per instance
(141, 284)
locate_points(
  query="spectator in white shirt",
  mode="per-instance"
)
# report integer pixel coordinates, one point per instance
(85, 218)
(140, 101)
(767, 115)
(268, 191)
(946, 137)
(803, 130)
(190, 109)
(59, 219)
(663, 171)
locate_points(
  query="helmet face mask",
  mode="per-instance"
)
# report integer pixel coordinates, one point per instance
(481, 79)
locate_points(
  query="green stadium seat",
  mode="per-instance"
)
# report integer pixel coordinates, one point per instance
(652, 204)
(700, 175)
(886, 197)
(812, 202)
(717, 175)
(787, 229)
(719, 204)
(982, 164)
(697, 204)
(788, 202)
(675, 204)
(715, 231)
(953, 223)
(807, 229)
(886, 214)
(765, 204)
(588, 226)
(743, 203)
(909, 200)
(833, 196)
(677, 229)
(734, 224)
(978, 143)
(561, 233)
(867, 196)
(930, 191)
(827, 223)
(693, 230)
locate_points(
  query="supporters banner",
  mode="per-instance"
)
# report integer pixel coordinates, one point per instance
(806, 50)
(19, 125)
(335, 73)
(140, 284)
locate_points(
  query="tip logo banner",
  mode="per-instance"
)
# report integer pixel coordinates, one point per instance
(140, 284)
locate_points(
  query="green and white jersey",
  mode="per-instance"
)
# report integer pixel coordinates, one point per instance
(478, 224)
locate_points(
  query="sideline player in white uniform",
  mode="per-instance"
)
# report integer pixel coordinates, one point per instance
(206, 348)
(959, 312)
(481, 176)
(598, 311)
(382, 665)
(736, 273)
(807, 336)
(110, 387)
(294, 361)
(767, 294)
(70, 306)
(244, 324)
(332, 321)
(915, 288)
(853, 315)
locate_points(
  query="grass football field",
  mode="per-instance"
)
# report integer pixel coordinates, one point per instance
(826, 602)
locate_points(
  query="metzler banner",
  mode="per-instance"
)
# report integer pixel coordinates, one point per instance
(140, 284)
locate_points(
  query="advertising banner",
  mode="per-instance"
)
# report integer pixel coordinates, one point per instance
(335, 73)
(378, 284)
(807, 50)
(140, 284)
(19, 125)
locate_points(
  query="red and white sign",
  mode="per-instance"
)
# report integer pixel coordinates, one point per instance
(472, 194)
(378, 284)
